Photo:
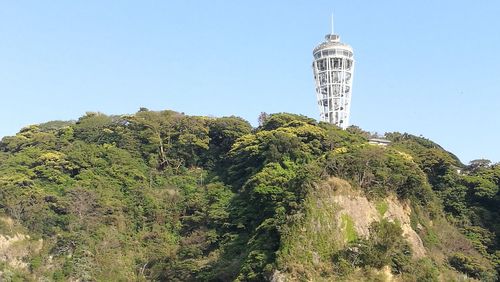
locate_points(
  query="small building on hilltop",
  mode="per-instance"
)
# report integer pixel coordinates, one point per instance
(379, 141)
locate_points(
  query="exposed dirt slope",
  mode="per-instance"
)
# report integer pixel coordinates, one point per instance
(363, 213)
(335, 214)
(16, 247)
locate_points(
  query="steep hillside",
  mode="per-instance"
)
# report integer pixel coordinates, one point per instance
(161, 196)
(344, 236)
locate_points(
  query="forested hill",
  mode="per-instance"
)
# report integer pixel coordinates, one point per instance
(162, 196)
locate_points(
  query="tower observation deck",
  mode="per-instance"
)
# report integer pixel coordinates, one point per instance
(333, 68)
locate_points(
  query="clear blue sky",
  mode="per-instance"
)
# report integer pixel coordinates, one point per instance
(423, 67)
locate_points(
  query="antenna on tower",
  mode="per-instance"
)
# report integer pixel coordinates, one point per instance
(333, 30)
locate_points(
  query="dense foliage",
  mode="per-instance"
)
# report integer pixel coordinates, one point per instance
(169, 197)
(470, 195)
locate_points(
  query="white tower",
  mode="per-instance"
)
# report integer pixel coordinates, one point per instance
(333, 72)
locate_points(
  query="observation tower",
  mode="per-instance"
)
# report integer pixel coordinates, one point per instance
(333, 68)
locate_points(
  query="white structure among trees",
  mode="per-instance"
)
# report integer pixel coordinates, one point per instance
(333, 72)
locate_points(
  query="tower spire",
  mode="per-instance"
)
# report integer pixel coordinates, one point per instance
(333, 30)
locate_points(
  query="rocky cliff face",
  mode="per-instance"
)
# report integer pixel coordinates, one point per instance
(336, 218)
(363, 213)
(15, 248)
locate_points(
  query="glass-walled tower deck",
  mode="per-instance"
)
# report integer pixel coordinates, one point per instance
(333, 68)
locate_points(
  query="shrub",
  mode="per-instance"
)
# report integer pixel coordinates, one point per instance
(469, 266)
